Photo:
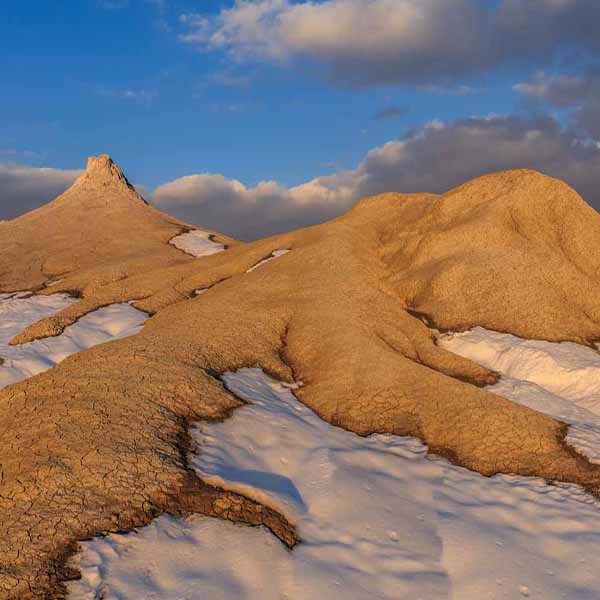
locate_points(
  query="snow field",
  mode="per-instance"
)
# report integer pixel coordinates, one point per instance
(377, 519)
(559, 379)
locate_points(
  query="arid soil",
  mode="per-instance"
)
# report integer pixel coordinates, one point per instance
(99, 442)
(100, 226)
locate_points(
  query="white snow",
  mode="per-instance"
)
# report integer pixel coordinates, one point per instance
(558, 379)
(377, 519)
(275, 254)
(197, 243)
(17, 311)
(565, 369)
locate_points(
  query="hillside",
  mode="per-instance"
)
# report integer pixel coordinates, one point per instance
(100, 226)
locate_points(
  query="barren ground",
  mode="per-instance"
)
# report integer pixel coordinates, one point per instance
(98, 443)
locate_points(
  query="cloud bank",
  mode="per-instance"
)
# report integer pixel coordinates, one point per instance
(358, 43)
(434, 158)
(25, 188)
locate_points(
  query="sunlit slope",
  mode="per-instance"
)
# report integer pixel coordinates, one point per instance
(100, 225)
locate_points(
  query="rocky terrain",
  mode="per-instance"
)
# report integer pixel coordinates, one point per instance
(353, 310)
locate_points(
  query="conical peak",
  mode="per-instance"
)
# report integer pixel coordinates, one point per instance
(101, 173)
(103, 169)
(103, 164)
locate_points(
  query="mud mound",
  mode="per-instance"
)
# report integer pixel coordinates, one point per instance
(100, 225)
(98, 442)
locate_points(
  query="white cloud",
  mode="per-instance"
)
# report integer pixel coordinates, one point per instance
(401, 38)
(249, 212)
(370, 42)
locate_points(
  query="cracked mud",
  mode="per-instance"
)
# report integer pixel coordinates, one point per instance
(95, 444)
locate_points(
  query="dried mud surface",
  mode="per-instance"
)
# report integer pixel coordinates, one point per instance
(100, 228)
(97, 443)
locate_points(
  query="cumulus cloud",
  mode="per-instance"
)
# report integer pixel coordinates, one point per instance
(579, 94)
(373, 42)
(229, 206)
(434, 158)
(25, 188)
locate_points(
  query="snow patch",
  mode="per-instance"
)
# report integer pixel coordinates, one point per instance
(559, 379)
(197, 243)
(376, 517)
(17, 311)
(275, 254)
(566, 369)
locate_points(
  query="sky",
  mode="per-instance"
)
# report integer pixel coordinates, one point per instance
(253, 117)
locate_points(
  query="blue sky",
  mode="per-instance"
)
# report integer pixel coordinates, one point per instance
(181, 87)
(68, 67)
